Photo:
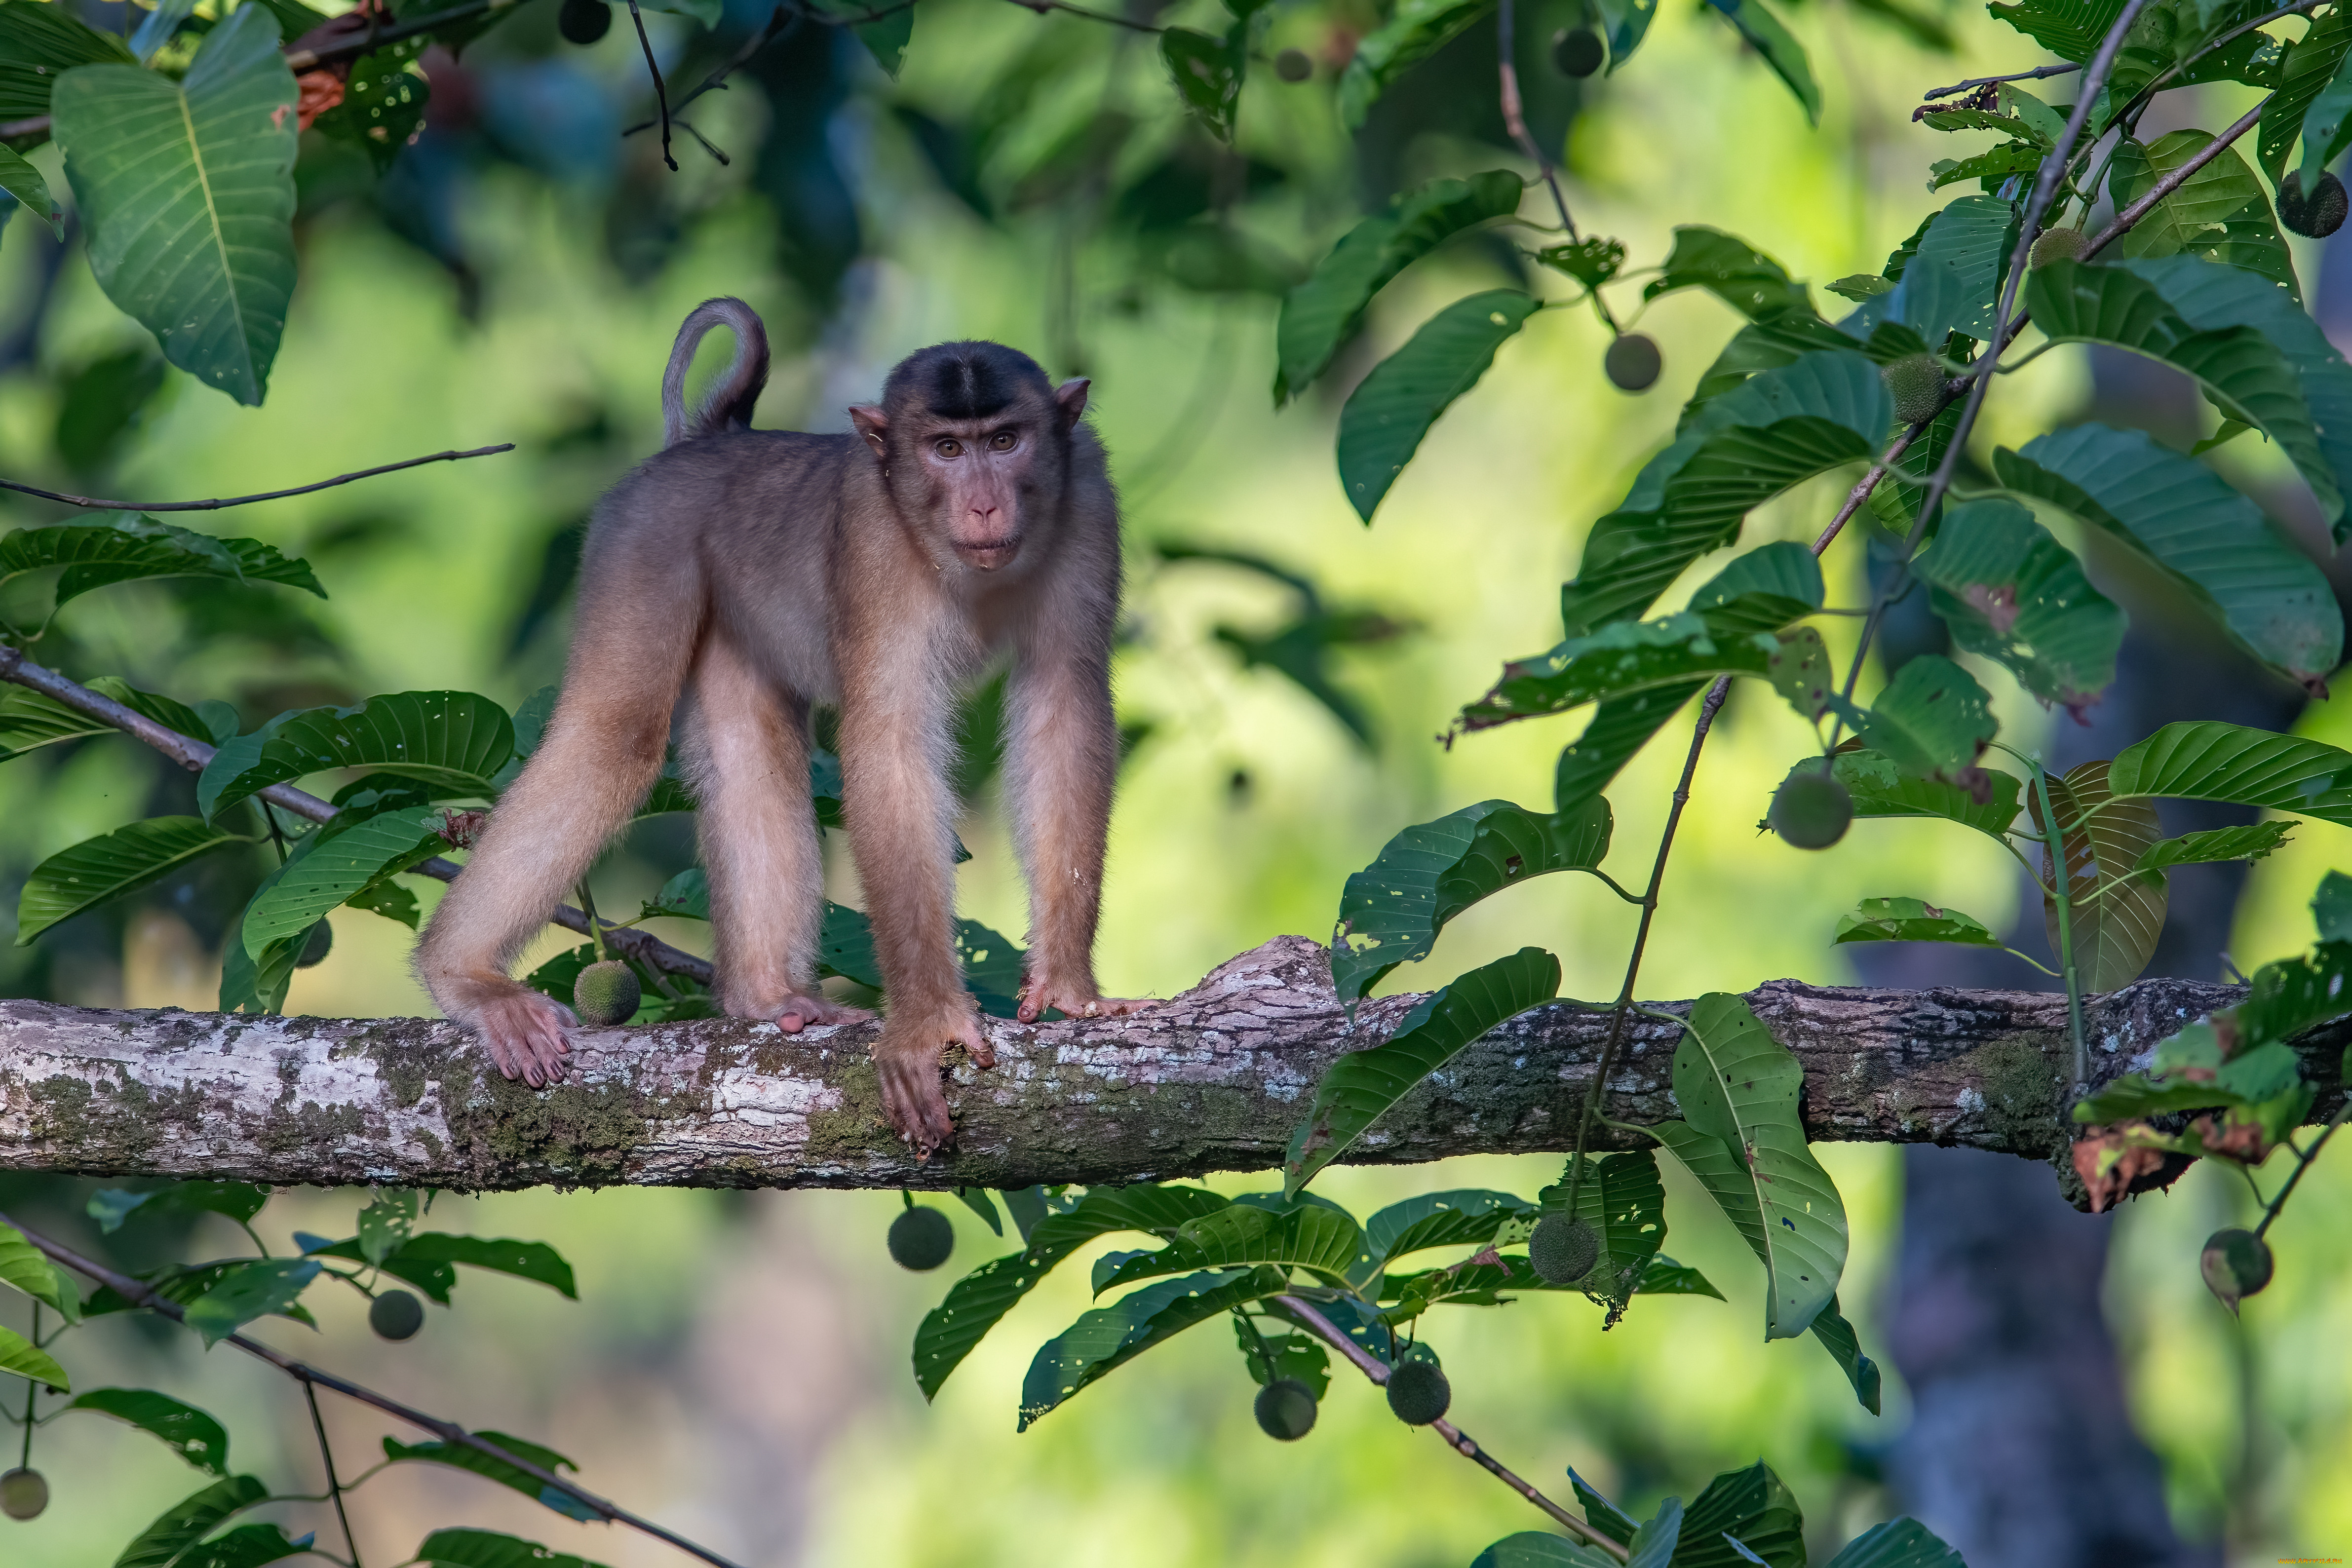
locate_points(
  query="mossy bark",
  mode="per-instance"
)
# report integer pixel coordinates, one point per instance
(1212, 1079)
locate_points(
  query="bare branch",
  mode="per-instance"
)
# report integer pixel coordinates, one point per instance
(94, 503)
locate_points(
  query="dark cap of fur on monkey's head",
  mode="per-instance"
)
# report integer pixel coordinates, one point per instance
(969, 379)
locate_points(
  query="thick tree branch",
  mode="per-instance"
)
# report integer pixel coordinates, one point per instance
(1212, 1079)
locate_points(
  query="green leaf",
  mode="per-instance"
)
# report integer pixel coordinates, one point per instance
(1665, 1276)
(1771, 39)
(975, 1302)
(2250, 841)
(24, 181)
(488, 1549)
(2117, 917)
(1952, 281)
(2314, 62)
(383, 102)
(451, 741)
(1653, 1544)
(2326, 126)
(1738, 1089)
(259, 984)
(187, 1431)
(1912, 920)
(1732, 270)
(1592, 261)
(2214, 542)
(1618, 728)
(1601, 1513)
(188, 190)
(1533, 1549)
(2070, 29)
(1393, 407)
(1208, 73)
(458, 1456)
(28, 1269)
(1627, 656)
(29, 1361)
(236, 1200)
(1416, 30)
(132, 547)
(1391, 911)
(384, 1225)
(1463, 1217)
(246, 1291)
(1623, 23)
(180, 1527)
(2012, 593)
(1323, 313)
(1897, 1543)
(2210, 760)
(1755, 1507)
(2219, 213)
(1881, 788)
(1108, 1338)
(246, 1546)
(2331, 907)
(976, 1198)
(29, 721)
(108, 866)
(2242, 372)
(1622, 1200)
(1933, 719)
(37, 45)
(2292, 994)
(183, 1285)
(1361, 1085)
(1995, 163)
(1293, 1353)
(1321, 1240)
(533, 1260)
(346, 861)
(1837, 1337)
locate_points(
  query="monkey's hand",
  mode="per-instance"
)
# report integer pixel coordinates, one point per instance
(798, 1012)
(1077, 1001)
(524, 1031)
(906, 1060)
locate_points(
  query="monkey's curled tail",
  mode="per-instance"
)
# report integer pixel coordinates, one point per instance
(730, 397)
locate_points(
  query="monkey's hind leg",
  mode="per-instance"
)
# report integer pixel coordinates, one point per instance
(747, 752)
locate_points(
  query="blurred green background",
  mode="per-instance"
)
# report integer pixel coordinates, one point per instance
(737, 1367)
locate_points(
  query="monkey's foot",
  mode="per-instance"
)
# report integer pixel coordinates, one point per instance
(1074, 1001)
(907, 1061)
(795, 1013)
(524, 1031)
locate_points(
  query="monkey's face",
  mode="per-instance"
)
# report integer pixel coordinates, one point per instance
(983, 479)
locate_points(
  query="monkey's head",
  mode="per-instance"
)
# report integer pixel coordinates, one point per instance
(974, 445)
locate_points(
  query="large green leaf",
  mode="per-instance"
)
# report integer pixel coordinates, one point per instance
(1881, 789)
(2245, 373)
(1952, 279)
(1755, 1507)
(1932, 720)
(1628, 657)
(1393, 407)
(1415, 30)
(975, 1302)
(1361, 1085)
(132, 546)
(2219, 213)
(188, 190)
(488, 1549)
(180, 1527)
(459, 1455)
(2249, 842)
(1463, 1217)
(1108, 1338)
(347, 861)
(2011, 592)
(1618, 728)
(249, 1291)
(1391, 911)
(27, 1360)
(1622, 1198)
(1533, 1549)
(108, 866)
(187, 1431)
(1732, 270)
(1912, 920)
(2209, 760)
(2115, 915)
(2271, 599)
(1770, 37)
(40, 43)
(1324, 1242)
(1321, 314)
(1837, 1337)
(2317, 60)
(1742, 1139)
(1897, 1543)
(452, 742)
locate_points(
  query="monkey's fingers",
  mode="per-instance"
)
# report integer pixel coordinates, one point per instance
(796, 1013)
(974, 1039)
(912, 1102)
(1076, 1004)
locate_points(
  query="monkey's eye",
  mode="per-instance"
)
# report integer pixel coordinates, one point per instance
(1004, 441)
(947, 446)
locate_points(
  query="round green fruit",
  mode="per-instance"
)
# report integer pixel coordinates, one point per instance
(583, 21)
(397, 1315)
(1578, 52)
(2317, 215)
(1811, 809)
(1286, 1409)
(316, 947)
(606, 993)
(1631, 364)
(2236, 1263)
(2058, 244)
(921, 1239)
(1563, 1249)
(1293, 65)
(1418, 1391)
(1917, 381)
(24, 1494)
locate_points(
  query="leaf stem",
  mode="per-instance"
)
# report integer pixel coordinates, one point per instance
(2072, 975)
(595, 926)
(327, 1458)
(2303, 1159)
(24, 1455)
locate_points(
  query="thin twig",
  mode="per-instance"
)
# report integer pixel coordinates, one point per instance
(1515, 117)
(192, 755)
(780, 21)
(1304, 1311)
(94, 503)
(661, 93)
(2036, 74)
(1042, 6)
(140, 1292)
(327, 1456)
(2303, 1158)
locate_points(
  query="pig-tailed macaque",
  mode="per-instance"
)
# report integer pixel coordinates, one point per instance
(763, 572)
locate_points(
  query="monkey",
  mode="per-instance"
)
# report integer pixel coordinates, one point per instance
(740, 579)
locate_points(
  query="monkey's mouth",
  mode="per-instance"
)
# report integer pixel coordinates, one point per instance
(988, 554)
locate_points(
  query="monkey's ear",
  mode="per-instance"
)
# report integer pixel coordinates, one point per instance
(873, 424)
(1071, 397)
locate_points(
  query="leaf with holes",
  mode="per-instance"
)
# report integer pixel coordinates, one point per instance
(1466, 1217)
(346, 861)
(2214, 542)
(108, 866)
(1742, 1140)
(1108, 1338)
(1952, 279)
(452, 742)
(2011, 592)
(2211, 761)
(249, 1291)
(2317, 60)
(1628, 657)
(188, 190)
(2219, 213)
(1393, 407)
(187, 1431)
(2115, 916)
(1932, 720)
(1881, 788)
(1732, 270)
(1912, 920)
(2249, 842)
(1415, 30)
(1621, 1199)
(1323, 1241)
(1361, 1085)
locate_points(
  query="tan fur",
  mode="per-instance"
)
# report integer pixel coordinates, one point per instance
(754, 574)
